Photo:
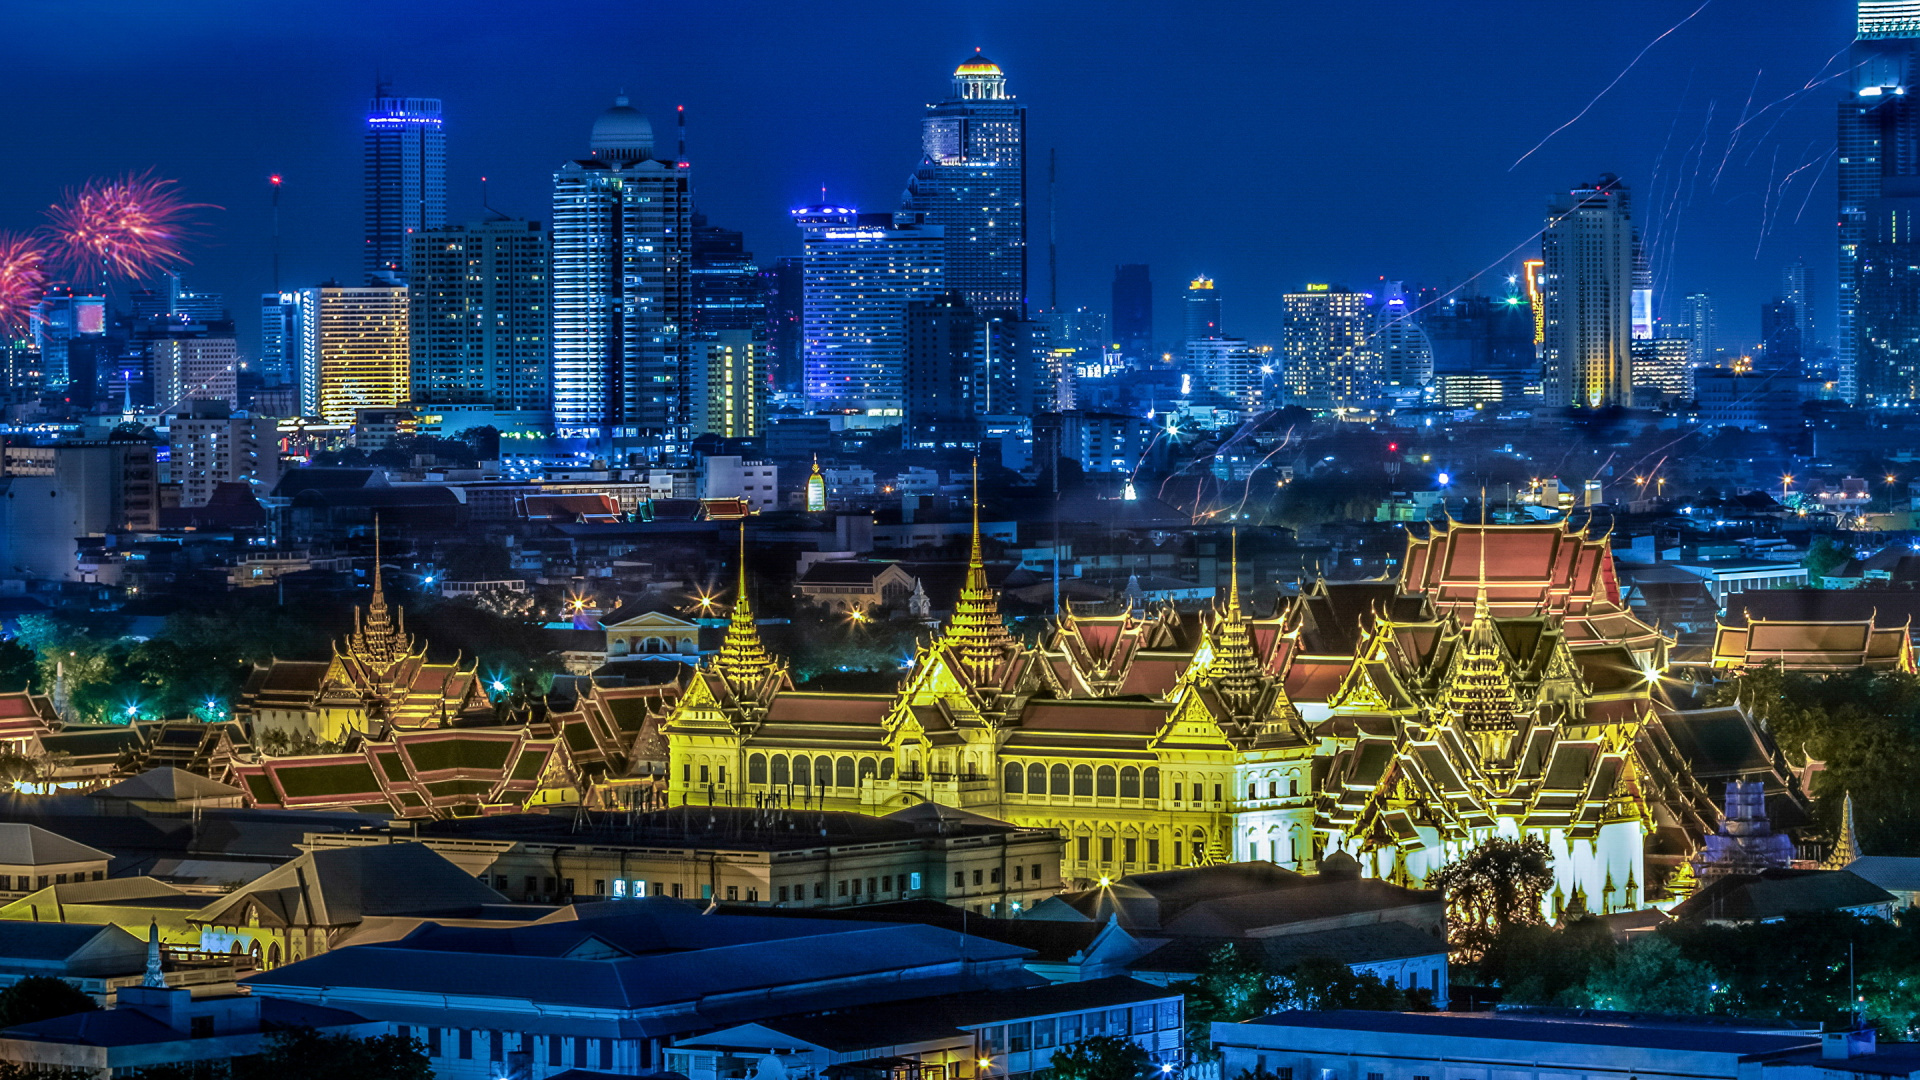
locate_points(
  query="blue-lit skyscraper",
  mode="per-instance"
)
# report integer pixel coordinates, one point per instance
(1879, 138)
(406, 178)
(623, 291)
(861, 272)
(972, 184)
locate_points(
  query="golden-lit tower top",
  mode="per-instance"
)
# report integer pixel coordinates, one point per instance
(379, 637)
(976, 632)
(742, 659)
(1236, 666)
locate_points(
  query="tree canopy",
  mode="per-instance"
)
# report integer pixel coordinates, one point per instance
(1493, 888)
(1102, 1057)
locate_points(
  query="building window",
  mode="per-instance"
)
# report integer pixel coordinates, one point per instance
(783, 894)
(1273, 789)
(993, 876)
(802, 772)
(1015, 779)
(1150, 784)
(704, 775)
(819, 890)
(1176, 853)
(466, 1044)
(1036, 872)
(496, 1046)
(1106, 850)
(1019, 872)
(886, 883)
(555, 1045)
(1250, 795)
(1060, 786)
(757, 769)
(780, 778)
(733, 892)
(433, 1042)
(1105, 787)
(959, 879)
(1080, 842)
(1037, 779)
(1153, 852)
(1129, 783)
(913, 881)
(1216, 793)
(843, 773)
(843, 887)
(1130, 849)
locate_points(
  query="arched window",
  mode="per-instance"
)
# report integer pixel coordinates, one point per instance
(1199, 841)
(1293, 784)
(273, 955)
(886, 768)
(1016, 779)
(867, 769)
(1037, 779)
(843, 774)
(802, 772)
(822, 771)
(757, 769)
(780, 775)
(1129, 783)
(1060, 780)
(1083, 781)
(1105, 787)
(1150, 783)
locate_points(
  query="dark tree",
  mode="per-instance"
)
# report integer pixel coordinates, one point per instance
(1493, 888)
(1320, 985)
(1102, 1057)
(41, 997)
(305, 1054)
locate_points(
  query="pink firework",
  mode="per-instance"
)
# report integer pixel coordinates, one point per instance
(131, 227)
(23, 280)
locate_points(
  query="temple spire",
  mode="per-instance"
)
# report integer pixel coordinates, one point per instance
(976, 632)
(1847, 847)
(156, 978)
(1236, 666)
(743, 659)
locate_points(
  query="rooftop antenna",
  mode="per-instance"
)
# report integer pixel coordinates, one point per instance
(681, 157)
(274, 180)
(1053, 250)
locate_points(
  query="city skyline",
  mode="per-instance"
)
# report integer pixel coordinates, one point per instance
(1250, 207)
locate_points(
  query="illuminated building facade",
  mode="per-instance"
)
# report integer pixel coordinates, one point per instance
(1886, 308)
(1326, 357)
(187, 367)
(354, 346)
(862, 271)
(623, 291)
(972, 185)
(480, 315)
(280, 338)
(1663, 368)
(730, 387)
(1405, 351)
(1879, 138)
(1588, 247)
(1232, 368)
(406, 179)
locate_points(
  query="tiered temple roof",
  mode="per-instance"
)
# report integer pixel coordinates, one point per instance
(1814, 646)
(1529, 569)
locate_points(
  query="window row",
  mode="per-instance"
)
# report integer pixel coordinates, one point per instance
(1061, 1030)
(469, 1044)
(1082, 781)
(801, 771)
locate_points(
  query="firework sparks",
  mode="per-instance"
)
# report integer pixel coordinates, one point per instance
(23, 280)
(130, 227)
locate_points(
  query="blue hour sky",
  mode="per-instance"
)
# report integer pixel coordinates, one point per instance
(1266, 144)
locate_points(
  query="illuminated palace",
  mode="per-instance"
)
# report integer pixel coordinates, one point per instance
(1499, 688)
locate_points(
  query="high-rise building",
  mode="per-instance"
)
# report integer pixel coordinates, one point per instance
(1696, 324)
(1405, 351)
(943, 345)
(280, 338)
(1879, 137)
(730, 384)
(783, 291)
(1663, 368)
(1132, 322)
(354, 345)
(972, 185)
(862, 270)
(1231, 368)
(1796, 285)
(1588, 246)
(1326, 359)
(1887, 297)
(1201, 306)
(61, 317)
(213, 445)
(1780, 340)
(406, 179)
(727, 289)
(193, 362)
(479, 315)
(623, 291)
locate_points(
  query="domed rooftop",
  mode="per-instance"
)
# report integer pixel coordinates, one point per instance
(977, 65)
(622, 133)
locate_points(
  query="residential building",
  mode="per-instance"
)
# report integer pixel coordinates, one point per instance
(479, 316)
(1696, 326)
(1327, 358)
(944, 339)
(188, 366)
(73, 490)
(354, 350)
(728, 476)
(728, 290)
(1589, 247)
(862, 270)
(406, 179)
(972, 186)
(1232, 368)
(623, 291)
(1132, 321)
(730, 385)
(212, 444)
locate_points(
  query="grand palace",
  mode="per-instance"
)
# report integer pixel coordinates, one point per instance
(1499, 687)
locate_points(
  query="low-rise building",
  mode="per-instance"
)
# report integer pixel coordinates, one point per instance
(33, 858)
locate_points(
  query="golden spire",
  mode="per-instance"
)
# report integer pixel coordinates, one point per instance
(975, 631)
(1236, 666)
(742, 659)
(1847, 847)
(379, 639)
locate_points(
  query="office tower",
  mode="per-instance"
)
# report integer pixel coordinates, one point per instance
(972, 185)
(62, 316)
(730, 384)
(1405, 351)
(1780, 339)
(193, 363)
(1588, 247)
(1879, 138)
(184, 303)
(353, 350)
(726, 285)
(1132, 321)
(1231, 368)
(406, 179)
(1796, 285)
(1483, 348)
(1697, 325)
(1640, 301)
(1201, 306)
(943, 344)
(783, 291)
(1326, 359)
(279, 338)
(1663, 368)
(862, 270)
(622, 291)
(1887, 296)
(213, 445)
(478, 315)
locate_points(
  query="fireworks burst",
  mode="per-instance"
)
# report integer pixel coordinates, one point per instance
(23, 280)
(131, 227)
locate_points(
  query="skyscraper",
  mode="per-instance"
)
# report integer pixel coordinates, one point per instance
(1133, 311)
(1229, 367)
(1887, 296)
(1405, 351)
(1589, 246)
(943, 347)
(1780, 341)
(861, 272)
(1696, 324)
(730, 384)
(727, 290)
(972, 185)
(279, 338)
(623, 291)
(197, 363)
(1201, 306)
(479, 314)
(1327, 360)
(353, 350)
(1796, 285)
(783, 292)
(1879, 137)
(406, 179)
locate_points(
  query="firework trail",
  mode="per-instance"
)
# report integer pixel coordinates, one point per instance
(23, 280)
(1616, 81)
(129, 227)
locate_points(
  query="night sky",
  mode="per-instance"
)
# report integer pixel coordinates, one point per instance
(1265, 144)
